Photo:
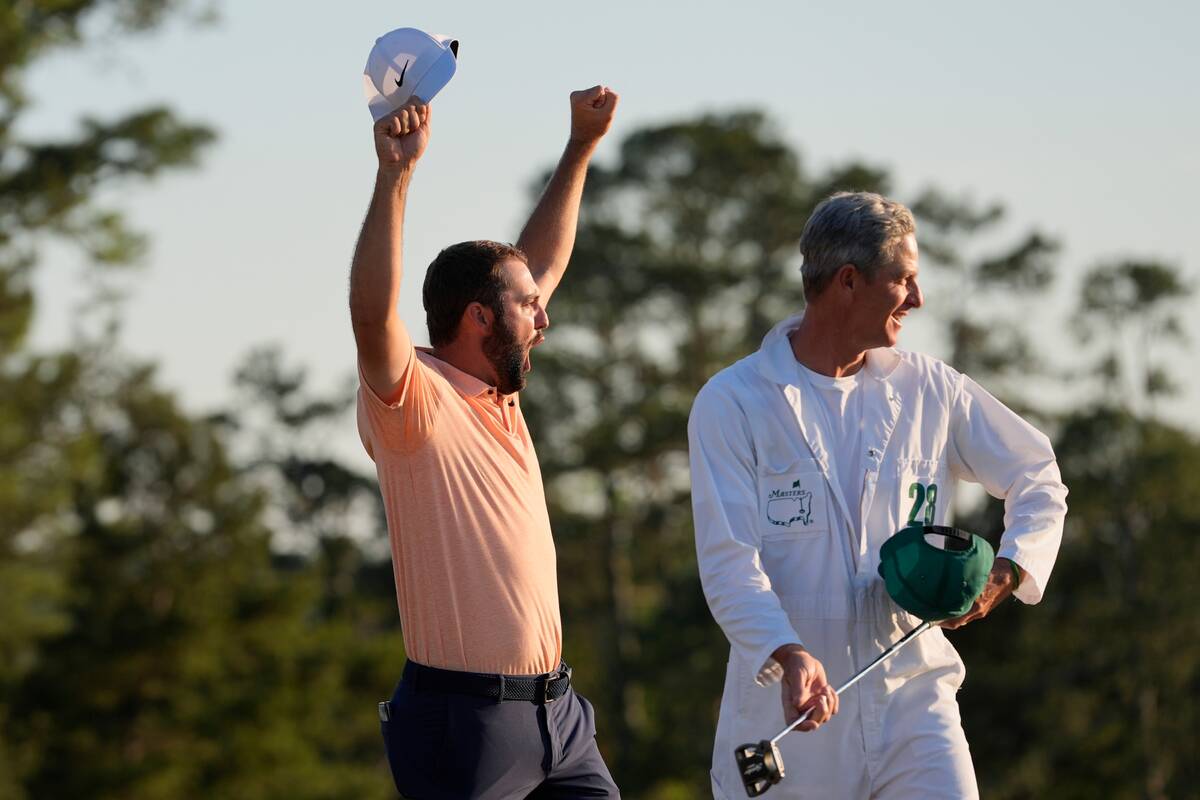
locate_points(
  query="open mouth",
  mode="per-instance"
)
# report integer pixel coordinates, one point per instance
(533, 344)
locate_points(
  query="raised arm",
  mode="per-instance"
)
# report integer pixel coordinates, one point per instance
(549, 235)
(384, 345)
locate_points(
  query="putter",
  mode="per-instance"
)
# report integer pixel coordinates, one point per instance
(761, 765)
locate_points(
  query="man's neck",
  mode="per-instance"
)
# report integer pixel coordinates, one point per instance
(826, 347)
(470, 360)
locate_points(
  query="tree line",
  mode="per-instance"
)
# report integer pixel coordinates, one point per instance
(202, 606)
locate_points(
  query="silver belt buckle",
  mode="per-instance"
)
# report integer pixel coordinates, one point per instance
(546, 698)
(553, 676)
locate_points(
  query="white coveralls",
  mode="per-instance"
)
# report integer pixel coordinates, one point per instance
(780, 562)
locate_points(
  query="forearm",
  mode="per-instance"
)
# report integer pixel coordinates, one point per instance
(549, 236)
(377, 268)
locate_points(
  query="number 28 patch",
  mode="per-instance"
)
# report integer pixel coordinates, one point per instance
(923, 499)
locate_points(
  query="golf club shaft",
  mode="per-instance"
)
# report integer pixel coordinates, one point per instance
(908, 637)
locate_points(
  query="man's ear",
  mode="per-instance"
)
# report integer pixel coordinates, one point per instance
(847, 278)
(479, 318)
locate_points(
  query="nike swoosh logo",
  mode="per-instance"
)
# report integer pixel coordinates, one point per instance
(400, 80)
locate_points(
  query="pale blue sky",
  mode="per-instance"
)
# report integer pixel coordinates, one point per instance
(1080, 117)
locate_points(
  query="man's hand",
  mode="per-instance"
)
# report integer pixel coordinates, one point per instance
(592, 113)
(998, 587)
(804, 687)
(401, 136)
(549, 235)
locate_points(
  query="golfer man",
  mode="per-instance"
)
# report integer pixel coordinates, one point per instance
(484, 708)
(805, 457)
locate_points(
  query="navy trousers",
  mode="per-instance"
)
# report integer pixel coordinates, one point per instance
(446, 746)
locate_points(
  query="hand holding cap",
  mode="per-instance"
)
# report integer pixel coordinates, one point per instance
(404, 64)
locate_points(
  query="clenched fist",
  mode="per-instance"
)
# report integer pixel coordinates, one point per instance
(592, 113)
(401, 136)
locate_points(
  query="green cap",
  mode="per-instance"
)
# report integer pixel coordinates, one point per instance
(930, 582)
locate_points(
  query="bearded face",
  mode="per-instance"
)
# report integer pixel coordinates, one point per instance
(507, 355)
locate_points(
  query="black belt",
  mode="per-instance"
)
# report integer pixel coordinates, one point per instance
(540, 689)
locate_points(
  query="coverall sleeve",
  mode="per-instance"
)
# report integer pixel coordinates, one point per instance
(1014, 461)
(725, 509)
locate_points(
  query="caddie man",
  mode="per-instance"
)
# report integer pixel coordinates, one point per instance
(805, 457)
(485, 707)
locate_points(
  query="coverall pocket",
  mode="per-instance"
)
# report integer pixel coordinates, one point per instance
(792, 504)
(794, 527)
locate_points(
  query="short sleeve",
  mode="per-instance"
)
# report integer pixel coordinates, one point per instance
(405, 422)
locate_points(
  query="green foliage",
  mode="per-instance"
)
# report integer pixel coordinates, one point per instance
(185, 660)
(153, 644)
(203, 607)
(286, 432)
(50, 449)
(1129, 311)
(30, 29)
(39, 454)
(686, 255)
(1092, 693)
(48, 188)
(982, 297)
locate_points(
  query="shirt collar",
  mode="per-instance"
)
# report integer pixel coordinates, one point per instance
(464, 382)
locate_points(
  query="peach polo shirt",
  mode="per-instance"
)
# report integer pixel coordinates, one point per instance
(472, 551)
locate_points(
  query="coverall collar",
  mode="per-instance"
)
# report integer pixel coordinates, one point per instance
(777, 362)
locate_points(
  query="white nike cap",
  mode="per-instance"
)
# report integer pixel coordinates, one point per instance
(404, 63)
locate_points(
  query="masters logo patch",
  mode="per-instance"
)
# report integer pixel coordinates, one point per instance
(785, 506)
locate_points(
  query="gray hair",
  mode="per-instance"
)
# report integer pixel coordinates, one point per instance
(859, 228)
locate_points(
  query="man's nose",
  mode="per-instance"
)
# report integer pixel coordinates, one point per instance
(915, 298)
(542, 320)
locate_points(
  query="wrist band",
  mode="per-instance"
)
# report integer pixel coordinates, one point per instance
(1016, 573)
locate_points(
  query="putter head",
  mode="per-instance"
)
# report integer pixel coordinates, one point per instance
(760, 766)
